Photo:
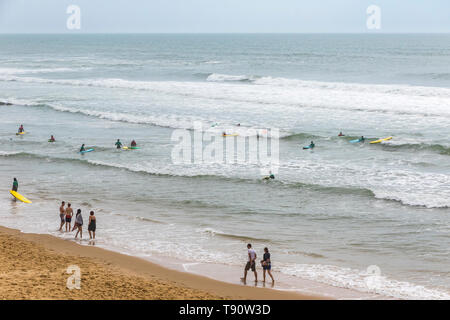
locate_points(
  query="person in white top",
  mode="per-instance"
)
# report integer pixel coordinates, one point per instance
(251, 264)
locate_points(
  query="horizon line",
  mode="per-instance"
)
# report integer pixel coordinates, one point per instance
(221, 33)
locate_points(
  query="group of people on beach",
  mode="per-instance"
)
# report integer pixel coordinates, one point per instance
(66, 214)
(266, 264)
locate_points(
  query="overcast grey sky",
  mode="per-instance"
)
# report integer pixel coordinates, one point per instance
(199, 16)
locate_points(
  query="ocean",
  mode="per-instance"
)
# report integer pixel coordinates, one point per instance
(332, 215)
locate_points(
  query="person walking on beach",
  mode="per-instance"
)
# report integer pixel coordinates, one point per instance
(92, 225)
(62, 215)
(78, 224)
(69, 214)
(118, 144)
(251, 264)
(15, 185)
(267, 265)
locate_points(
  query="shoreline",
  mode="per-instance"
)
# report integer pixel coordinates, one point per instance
(28, 258)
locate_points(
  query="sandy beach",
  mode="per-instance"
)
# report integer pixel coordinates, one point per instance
(33, 266)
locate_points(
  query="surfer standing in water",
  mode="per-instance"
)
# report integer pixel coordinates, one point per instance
(62, 211)
(133, 143)
(52, 139)
(21, 129)
(118, 144)
(82, 148)
(15, 185)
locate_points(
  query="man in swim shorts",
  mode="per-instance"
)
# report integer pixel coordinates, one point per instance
(251, 263)
(62, 215)
(69, 214)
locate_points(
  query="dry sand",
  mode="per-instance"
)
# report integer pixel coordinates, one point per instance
(33, 266)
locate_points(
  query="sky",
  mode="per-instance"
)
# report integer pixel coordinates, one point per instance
(224, 16)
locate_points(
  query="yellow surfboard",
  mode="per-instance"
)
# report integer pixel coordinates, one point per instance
(19, 196)
(381, 140)
(20, 133)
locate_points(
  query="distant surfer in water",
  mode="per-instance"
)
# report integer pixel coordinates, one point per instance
(52, 139)
(312, 145)
(118, 144)
(133, 143)
(82, 148)
(341, 134)
(362, 139)
(15, 185)
(270, 176)
(21, 129)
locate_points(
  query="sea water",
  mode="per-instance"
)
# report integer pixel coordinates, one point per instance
(332, 215)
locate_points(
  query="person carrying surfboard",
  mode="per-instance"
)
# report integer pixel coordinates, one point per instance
(82, 148)
(15, 185)
(118, 144)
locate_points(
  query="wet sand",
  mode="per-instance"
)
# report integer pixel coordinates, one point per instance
(34, 266)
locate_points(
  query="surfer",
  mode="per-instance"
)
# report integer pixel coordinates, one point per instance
(69, 214)
(133, 143)
(21, 129)
(362, 139)
(267, 265)
(15, 185)
(92, 225)
(62, 215)
(341, 134)
(118, 144)
(312, 145)
(82, 148)
(52, 139)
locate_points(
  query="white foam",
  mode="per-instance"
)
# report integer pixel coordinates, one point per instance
(299, 94)
(363, 281)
